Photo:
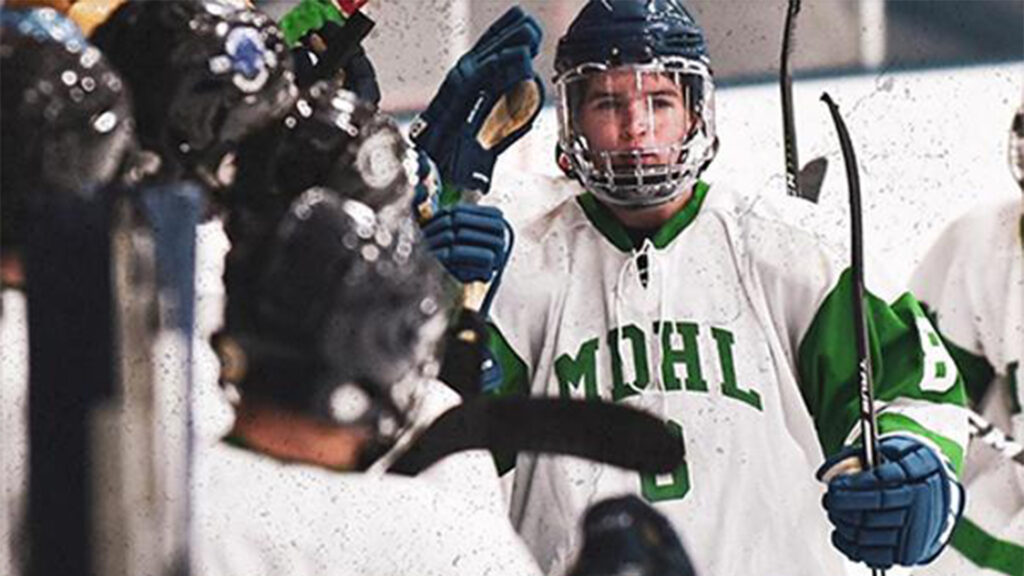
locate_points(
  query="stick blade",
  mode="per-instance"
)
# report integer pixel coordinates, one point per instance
(607, 433)
(811, 177)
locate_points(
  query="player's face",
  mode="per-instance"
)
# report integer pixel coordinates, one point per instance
(623, 110)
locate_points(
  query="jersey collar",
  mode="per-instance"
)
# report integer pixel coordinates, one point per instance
(610, 228)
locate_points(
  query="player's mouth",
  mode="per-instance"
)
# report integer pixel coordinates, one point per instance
(633, 160)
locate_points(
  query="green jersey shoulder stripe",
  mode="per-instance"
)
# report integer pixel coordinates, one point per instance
(890, 422)
(515, 374)
(986, 550)
(514, 381)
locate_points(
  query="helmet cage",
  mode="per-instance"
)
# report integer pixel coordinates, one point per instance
(621, 177)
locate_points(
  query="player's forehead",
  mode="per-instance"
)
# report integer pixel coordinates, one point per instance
(632, 83)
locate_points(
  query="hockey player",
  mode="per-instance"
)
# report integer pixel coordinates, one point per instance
(728, 316)
(65, 135)
(346, 322)
(973, 281)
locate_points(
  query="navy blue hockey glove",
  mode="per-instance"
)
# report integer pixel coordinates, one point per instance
(469, 241)
(626, 535)
(487, 102)
(426, 199)
(899, 513)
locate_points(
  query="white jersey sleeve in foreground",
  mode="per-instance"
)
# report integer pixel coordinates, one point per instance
(469, 474)
(256, 516)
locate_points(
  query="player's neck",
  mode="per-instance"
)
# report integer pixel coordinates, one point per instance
(291, 437)
(12, 273)
(650, 218)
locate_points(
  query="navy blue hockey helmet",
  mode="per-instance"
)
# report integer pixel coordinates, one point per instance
(630, 31)
(638, 71)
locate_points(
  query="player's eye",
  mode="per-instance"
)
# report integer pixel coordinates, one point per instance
(663, 102)
(606, 104)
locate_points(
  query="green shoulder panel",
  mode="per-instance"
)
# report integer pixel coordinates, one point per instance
(515, 381)
(515, 376)
(907, 358)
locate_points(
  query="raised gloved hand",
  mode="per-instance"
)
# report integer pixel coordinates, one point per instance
(325, 42)
(469, 241)
(899, 513)
(487, 102)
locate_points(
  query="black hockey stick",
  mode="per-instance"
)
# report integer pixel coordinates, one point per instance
(868, 425)
(786, 85)
(995, 438)
(801, 182)
(608, 433)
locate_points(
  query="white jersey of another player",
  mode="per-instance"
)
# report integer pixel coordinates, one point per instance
(973, 281)
(257, 516)
(732, 322)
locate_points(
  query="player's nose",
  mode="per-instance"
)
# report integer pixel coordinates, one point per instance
(633, 123)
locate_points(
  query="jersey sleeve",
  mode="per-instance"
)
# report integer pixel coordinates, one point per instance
(802, 268)
(951, 297)
(918, 390)
(519, 315)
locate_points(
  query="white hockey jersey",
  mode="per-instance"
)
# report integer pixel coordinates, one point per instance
(732, 322)
(256, 516)
(973, 281)
(13, 430)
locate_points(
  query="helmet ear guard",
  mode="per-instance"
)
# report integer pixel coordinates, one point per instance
(564, 162)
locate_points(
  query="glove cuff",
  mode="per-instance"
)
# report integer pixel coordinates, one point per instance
(957, 502)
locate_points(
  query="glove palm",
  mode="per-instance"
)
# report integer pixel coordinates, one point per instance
(487, 102)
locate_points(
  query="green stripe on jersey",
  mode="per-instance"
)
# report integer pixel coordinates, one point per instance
(612, 229)
(986, 550)
(889, 422)
(514, 381)
(514, 373)
(904, 361)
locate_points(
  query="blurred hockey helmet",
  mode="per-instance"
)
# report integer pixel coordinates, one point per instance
(66, 124)
(344, 320)
(338, 141)
(204, 75)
